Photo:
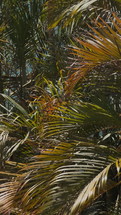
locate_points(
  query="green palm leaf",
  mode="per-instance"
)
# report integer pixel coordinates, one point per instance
(19, 107)
(75, 9)
(72, 13)
(83, 118)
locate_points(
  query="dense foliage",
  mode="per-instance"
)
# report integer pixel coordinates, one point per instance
(60, 107)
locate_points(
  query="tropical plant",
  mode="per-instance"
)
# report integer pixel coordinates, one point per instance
(101, 48)
(62, 154)
(70, 15)
(30, 49)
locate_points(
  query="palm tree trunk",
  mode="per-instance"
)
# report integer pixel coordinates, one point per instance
(1, 81)
(23, 79)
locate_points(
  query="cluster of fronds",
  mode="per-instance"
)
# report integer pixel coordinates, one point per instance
(82, 167)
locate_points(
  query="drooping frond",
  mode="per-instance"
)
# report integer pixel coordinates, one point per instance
(81, 118)
(99, 185)
(55, 177)
(17, 128)
(70, 15)
(101, 48)
(7, 193)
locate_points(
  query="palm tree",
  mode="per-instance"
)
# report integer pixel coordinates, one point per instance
(21, 24)
(29, 51)
(66, 157)
(82, 171)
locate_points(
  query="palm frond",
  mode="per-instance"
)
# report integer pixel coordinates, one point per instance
(101, 48)
(20, 128)
(7, 196)
(70, 15)
(15, 104)
(56, 177)
(100, 184)
(81, 118)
